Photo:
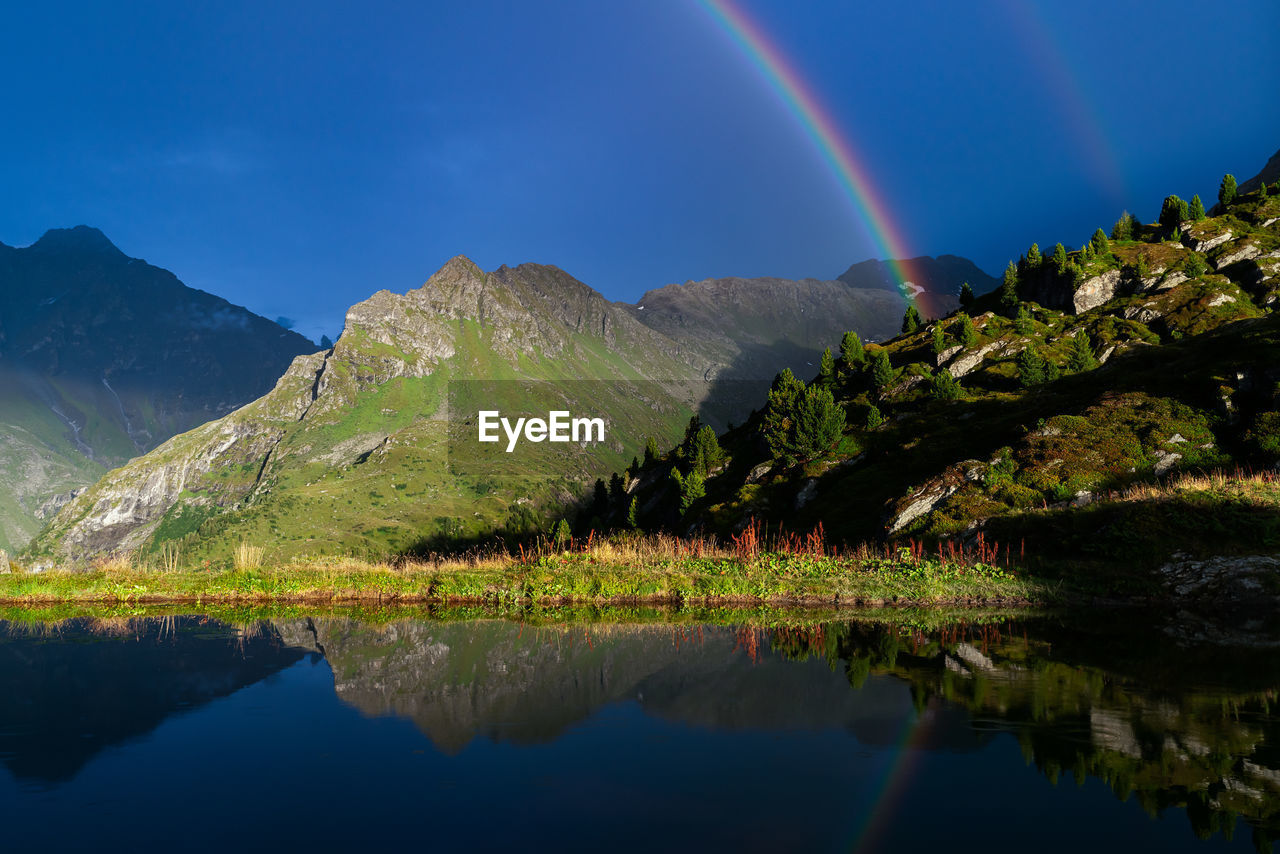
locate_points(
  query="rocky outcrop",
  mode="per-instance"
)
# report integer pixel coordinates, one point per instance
(1095, 291)
(1224, 581)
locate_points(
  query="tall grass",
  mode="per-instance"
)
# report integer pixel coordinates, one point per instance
(247, 556)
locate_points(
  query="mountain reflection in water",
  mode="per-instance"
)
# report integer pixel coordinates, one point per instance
(1177, 719)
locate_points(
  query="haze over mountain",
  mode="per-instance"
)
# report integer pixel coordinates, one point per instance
(103, 357)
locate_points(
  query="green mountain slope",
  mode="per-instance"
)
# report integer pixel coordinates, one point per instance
(1053, 420)
(102, 357)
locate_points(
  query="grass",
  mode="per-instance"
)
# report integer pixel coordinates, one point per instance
(745, 569)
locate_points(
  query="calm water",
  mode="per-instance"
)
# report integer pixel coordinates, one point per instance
(1110, 732)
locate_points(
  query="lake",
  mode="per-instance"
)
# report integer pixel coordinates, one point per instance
(913, 731)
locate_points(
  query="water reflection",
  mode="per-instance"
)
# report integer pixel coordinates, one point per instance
(1160, 709)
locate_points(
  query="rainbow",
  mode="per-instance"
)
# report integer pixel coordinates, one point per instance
(818, 123)
(891, 785)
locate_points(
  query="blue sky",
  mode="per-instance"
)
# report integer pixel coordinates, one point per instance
(297, 157)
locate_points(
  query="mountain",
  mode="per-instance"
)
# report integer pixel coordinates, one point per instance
(756, 327)
(369, 448)
(103, 357)
(1054, 425)
(1270, 173)
(933, 279)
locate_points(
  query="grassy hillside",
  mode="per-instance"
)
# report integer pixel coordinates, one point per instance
(1057, 416)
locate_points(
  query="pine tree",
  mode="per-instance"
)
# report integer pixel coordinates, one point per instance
(634, 470)
(779, 412)
(1034, 258)
(827, 367)
(1123, 229)
(1262, 189)
(1031, 368)
(966, 295)
(617, 488)
(965, 331)
(944, 386)
(1227, 189)
(705, 453)
(1009, 290)
(1086, 253)
(881, 369)
(691, 489)
(601, 500)
(650, 452)
(1060, 257)
(819, 424)
(910, 320)
(1099, 243)
(939, 339)
(1197, 208)
(874, 418)
(632, 512)
(1081, 358)
(1023, 323)
(1173, 212)
(851, 351)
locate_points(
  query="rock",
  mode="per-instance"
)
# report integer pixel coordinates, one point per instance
(1165, 461)
(966, 363)
(1221, 299)
(947, 354)
(1240, 253)
(807, 492)
(1205, 244)
(920, 505)
(1175, 439)
(1172, 280)
(1106, 354)
(1096, 291)
(1248, 579)
(1142, 313)
(1083, 498)
(759, 471)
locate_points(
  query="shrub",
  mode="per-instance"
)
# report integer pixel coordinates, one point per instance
(944, 386)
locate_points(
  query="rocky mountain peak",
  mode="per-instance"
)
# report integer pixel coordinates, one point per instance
(82, 239)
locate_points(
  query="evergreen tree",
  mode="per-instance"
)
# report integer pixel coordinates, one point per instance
(1081, 358)
(1023, 323)
(965, 333)
(874, 418)
(1034, 258)
(1051, 370)
(632, 512)
(1197, 208)
(910, 320)
(1086, 253)
(1262, 189)
(634, 470)
(851, 351)
(779, 412)
(1060, 258)
(1227, 189)
(1174, 212)
(966, 296)
(817, 426)
(617, 488)
(944, 386)
(1099, 243)
(881, 369)
(693, 488)
(1123, 229)
(1031, 368)
(827, 367)
(705, 453)
(601, 501)
(650, 452)
(1009, 290)
(939, 339)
